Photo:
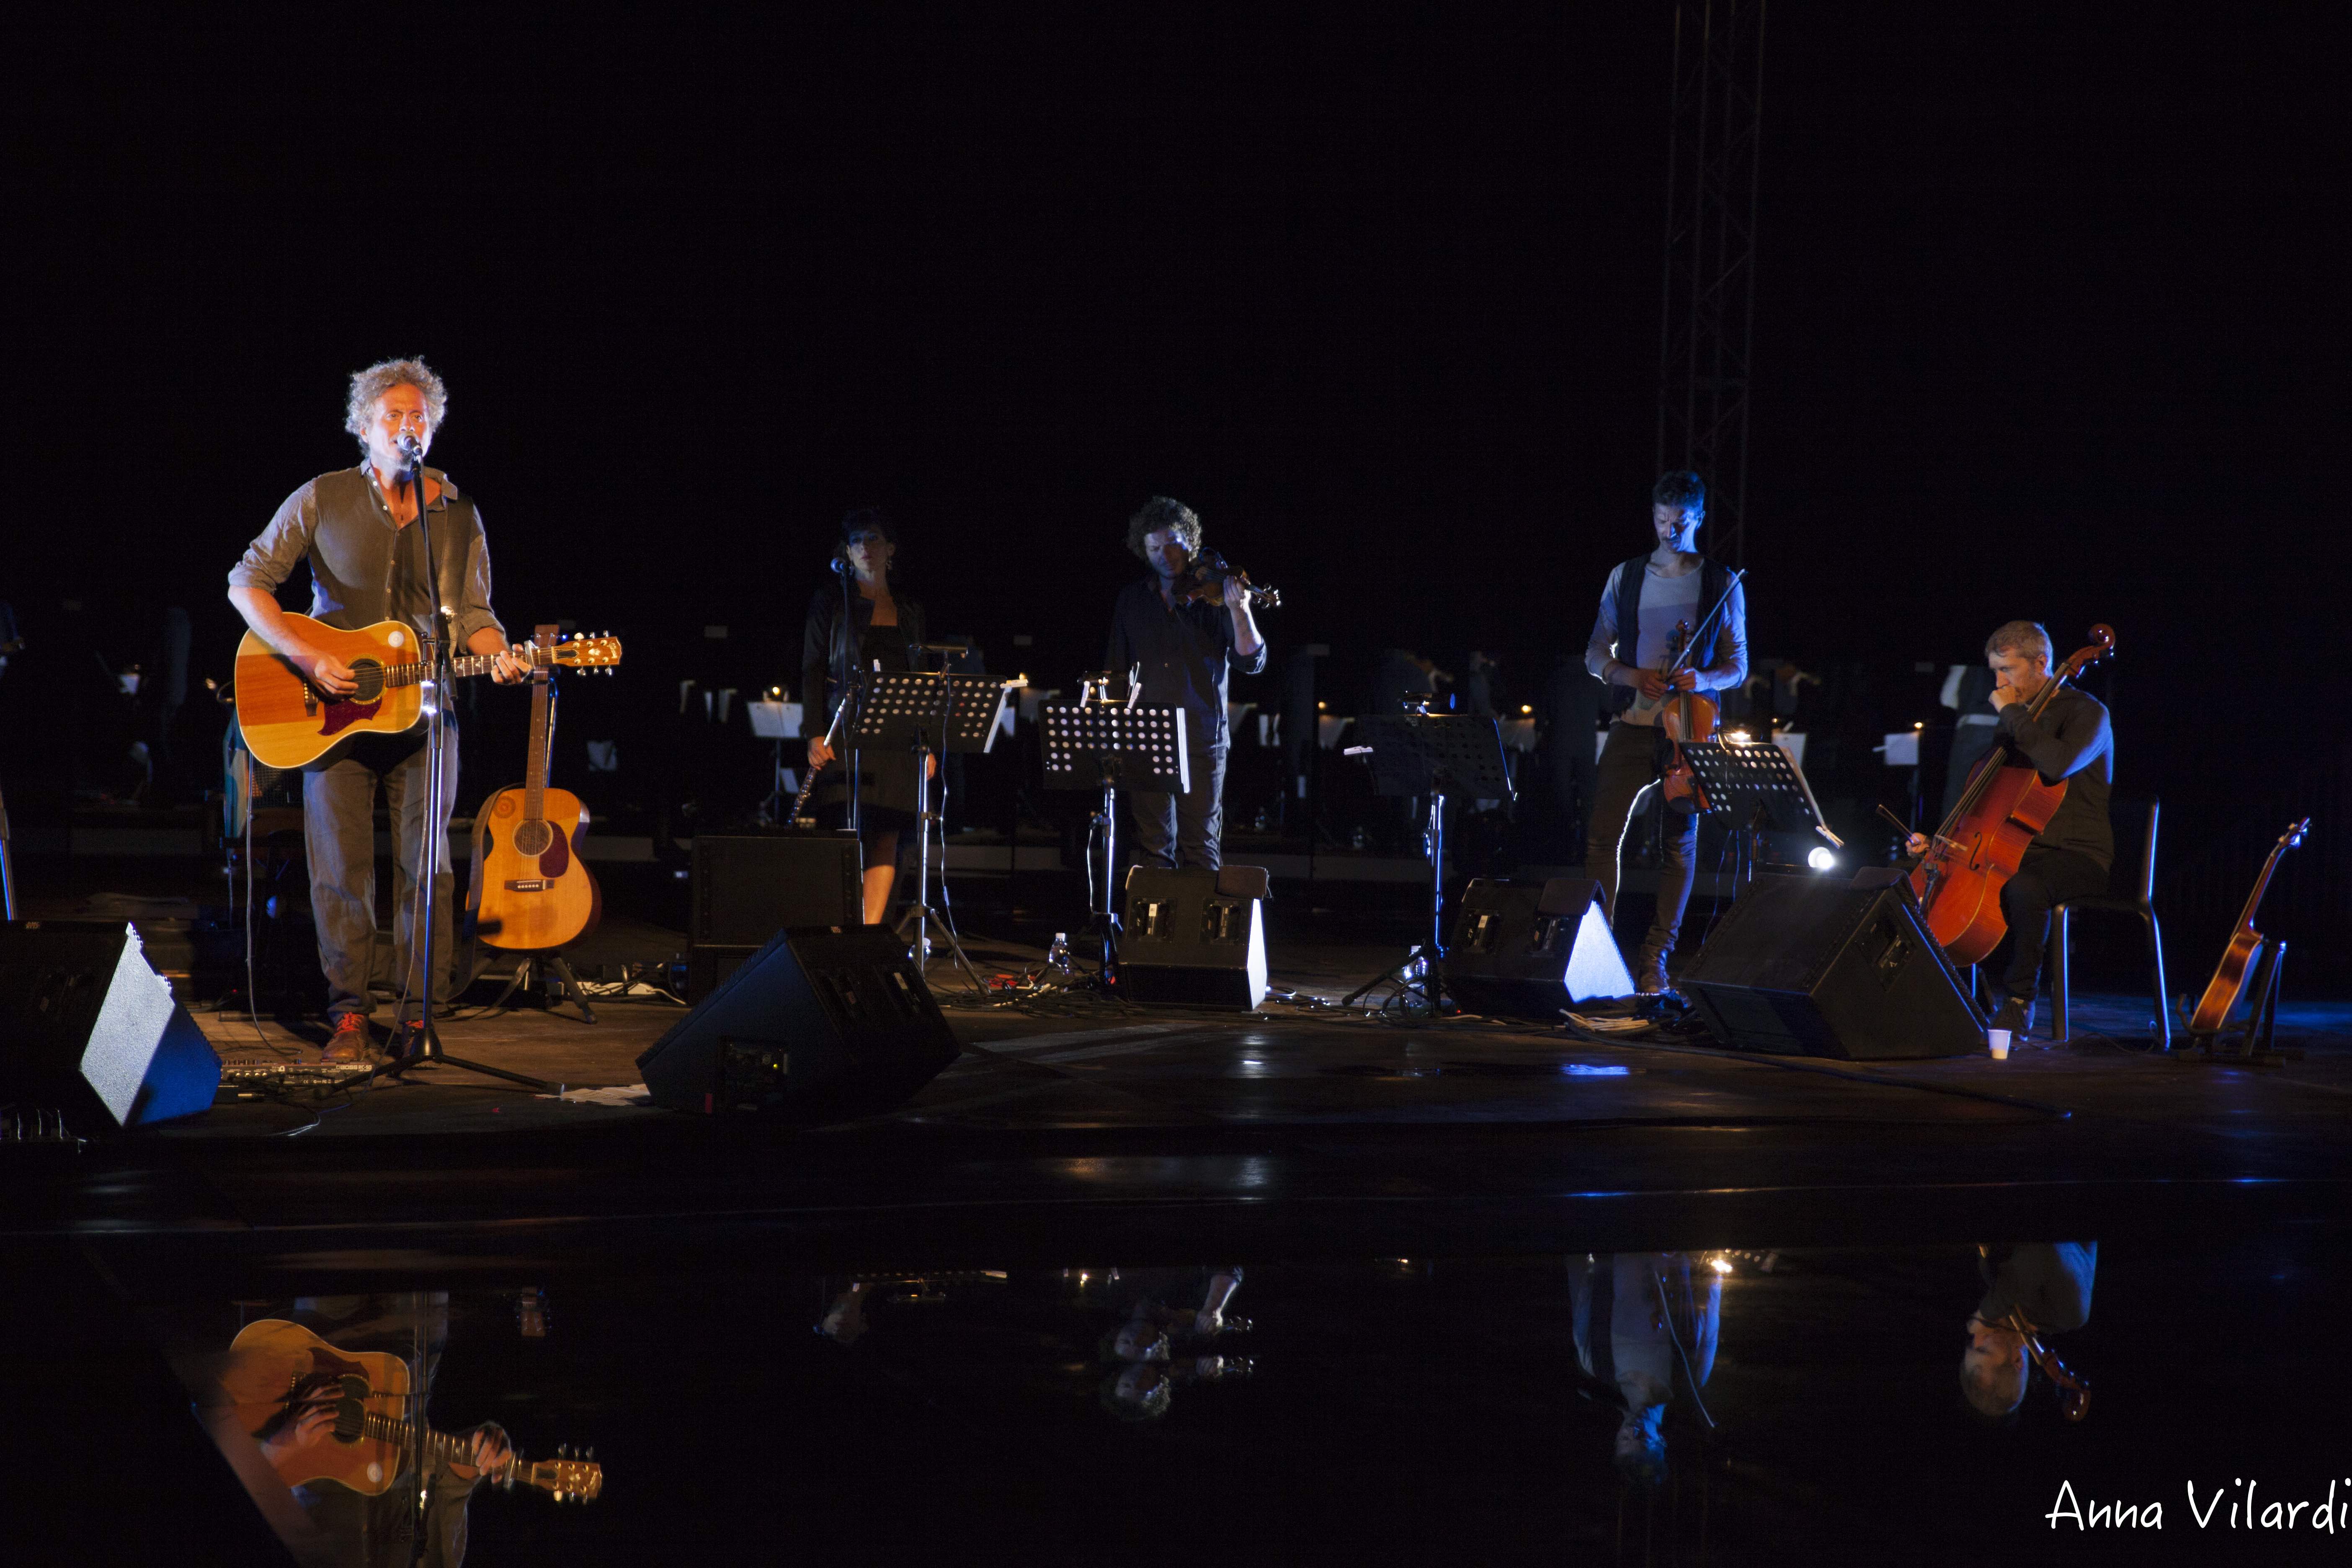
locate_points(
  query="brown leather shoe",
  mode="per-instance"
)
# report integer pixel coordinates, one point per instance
(1650, 976)
(352, 1045)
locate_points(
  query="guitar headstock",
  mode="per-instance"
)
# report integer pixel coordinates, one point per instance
(566, 1478)
(2292, 838)
(599, 651)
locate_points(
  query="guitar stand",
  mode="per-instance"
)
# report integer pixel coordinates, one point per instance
(530, 977)
(2258, 1044)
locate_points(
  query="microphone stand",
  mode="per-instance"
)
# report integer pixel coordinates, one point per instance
(423, 1040)
(849, 663)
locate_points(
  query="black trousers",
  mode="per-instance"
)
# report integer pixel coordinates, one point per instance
(2045, 877)
(1189, 827)
(1632, 761)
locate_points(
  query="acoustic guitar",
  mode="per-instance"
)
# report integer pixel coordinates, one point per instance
(276, 1370)
(2229, 981)
(287, 723)
(532, 893)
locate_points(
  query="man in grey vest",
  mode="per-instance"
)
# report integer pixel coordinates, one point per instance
(1642, 602)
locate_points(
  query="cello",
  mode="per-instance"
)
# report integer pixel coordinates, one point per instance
(1976, 851)
(2229, 980)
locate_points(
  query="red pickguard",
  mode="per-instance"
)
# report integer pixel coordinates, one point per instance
(342, 715)
(556, 858)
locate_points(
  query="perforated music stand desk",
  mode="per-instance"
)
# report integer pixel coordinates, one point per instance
(1435, 754)
(911, 708)
(1090, 744)
(1742, 779)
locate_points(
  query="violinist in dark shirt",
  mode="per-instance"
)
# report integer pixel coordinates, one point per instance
(2070, 740)
(1185, 649)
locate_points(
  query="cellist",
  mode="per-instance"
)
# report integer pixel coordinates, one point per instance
(1642, 602)
(2070, 741)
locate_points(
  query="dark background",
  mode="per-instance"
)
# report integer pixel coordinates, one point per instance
(2049, 325)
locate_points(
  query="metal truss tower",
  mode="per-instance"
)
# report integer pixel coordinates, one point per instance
(1706, 322)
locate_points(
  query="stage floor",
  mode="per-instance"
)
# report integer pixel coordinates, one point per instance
(1420, 1207)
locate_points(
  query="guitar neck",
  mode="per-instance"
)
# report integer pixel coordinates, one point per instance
(440, 1447)
(2262, 886)
(542, 735)
(463, 664)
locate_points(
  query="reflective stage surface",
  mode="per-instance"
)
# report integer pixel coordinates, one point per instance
(1703, 1406)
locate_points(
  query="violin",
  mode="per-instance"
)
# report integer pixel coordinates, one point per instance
(1204, 582)
(1685, 716)
(2229, 981)
(2005, 806)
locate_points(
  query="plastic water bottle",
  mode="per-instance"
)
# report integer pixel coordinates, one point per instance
(1057, 958)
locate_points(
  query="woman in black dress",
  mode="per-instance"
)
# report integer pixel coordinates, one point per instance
(882, 628)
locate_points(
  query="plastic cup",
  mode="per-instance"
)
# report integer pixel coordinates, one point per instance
(1997, 1042)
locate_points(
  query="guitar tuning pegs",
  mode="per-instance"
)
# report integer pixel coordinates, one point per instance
(591, 1454)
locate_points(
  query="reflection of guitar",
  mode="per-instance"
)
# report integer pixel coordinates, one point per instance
(288, 724)
(276, 1369)
(532, 893)
(2229, 980)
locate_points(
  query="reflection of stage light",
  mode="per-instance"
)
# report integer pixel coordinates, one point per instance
(1526, 707)
(1737, 737)
(1821, 859)
(1720, 1265)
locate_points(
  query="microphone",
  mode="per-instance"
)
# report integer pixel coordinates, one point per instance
(837, 566)
(410, 446)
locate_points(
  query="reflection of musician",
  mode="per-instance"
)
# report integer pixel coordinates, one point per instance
(1641, 604)
(1638, 1316)
(2033, 1289)
(884, 630)
(1185, 651)
(2069, 859)
(1165, 1341)
(367, 565)
(356, 1528)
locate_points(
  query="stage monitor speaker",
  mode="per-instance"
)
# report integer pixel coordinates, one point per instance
(88, 1027)
(751, 882)
(1524, 950)
(1831, 968)
(821, 1022)
(1195, 937)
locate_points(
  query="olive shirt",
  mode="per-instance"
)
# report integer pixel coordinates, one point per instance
(366, 568)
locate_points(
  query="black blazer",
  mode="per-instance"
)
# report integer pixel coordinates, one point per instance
(824, 650)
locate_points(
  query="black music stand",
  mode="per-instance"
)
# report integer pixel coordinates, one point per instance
(770, 721)
(929, 715)
(1757, 786)
(1431, 754)
(1101, 744)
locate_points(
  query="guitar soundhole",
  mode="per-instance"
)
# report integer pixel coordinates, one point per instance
(370, 675)
(533, 838)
